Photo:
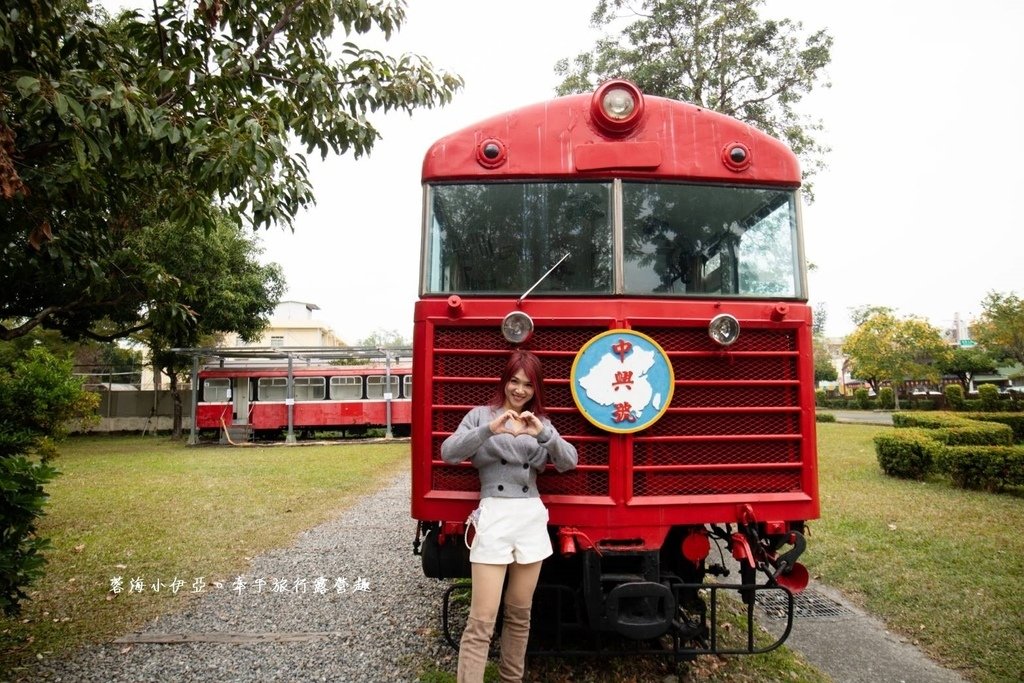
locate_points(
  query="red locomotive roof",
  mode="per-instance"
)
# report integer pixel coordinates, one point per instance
(560, 137)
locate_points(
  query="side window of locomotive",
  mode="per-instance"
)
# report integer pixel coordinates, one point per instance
(767, 253)
(216, 390)
(407, 386)
(273, 388)
(346, 388)
(376, 385)
(310, 388)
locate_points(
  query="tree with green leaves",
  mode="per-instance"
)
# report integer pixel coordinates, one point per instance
(824, 369)
(887, 348)
(385, 339)
(717, 54)
(1000, 328)
(966, 363)
(183, 114)
(220, 282)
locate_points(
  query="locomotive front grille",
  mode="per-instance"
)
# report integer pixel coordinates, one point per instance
(733, 426)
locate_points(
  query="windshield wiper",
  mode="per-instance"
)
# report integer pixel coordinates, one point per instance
(542, 278)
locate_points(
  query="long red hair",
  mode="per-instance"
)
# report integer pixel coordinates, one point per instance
(531, 367)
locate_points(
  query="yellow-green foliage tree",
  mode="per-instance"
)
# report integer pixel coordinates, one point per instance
(887, 348)
(1000, 329)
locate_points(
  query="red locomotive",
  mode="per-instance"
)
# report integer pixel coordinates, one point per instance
(613, 220)
(346, 398)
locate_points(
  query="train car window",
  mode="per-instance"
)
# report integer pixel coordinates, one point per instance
(273, 388)
(500, 238)
(710, 240)
(346, 388)
(407, 386)
(216, 390)
(310, 388)
(376, 385)
(306, 388)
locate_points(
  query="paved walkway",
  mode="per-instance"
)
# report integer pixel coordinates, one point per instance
(853, 647)
(876, 417)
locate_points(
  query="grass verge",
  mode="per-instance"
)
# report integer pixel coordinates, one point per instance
(156, 509)
(942, 566)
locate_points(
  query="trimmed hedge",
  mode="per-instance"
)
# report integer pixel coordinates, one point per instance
(928, 421)
(973, 449)
(887, 398)
(991, 469)
(824, 417)
(861, 396)
(954, 396)
(975, 434)
(1014, 420)
(989, 395)
(907, 453)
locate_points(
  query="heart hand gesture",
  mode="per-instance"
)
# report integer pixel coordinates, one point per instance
(511, 422)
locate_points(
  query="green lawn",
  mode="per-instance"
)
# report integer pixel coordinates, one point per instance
(940, 565)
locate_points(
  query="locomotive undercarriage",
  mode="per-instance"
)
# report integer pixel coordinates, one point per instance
(620, 601)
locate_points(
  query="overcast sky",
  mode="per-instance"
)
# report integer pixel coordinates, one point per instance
(917, 209)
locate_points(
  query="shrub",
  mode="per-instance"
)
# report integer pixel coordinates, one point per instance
(887, 398)
(929, 421)
(861, 396)
(990, 468)
(1015, 421)
(989, 395)
(38, 396)
(975, 434)
(819, 397)
(906, 453)
(825, 417)
(954, 394)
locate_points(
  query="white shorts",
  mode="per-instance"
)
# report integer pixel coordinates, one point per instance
(511, 530)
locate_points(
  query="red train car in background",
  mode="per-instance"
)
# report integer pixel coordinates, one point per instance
(346, 398)
(608, 228)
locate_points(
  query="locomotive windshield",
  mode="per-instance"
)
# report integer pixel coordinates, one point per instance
(676, 239)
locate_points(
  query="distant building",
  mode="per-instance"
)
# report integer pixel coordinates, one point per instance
(292, 324)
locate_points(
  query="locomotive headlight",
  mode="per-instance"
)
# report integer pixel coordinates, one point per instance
(618, 103)
(724, 329)
(517, 327)
(617, 107)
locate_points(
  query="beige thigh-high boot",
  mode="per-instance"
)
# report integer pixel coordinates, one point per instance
(476, 641)
(514, 635)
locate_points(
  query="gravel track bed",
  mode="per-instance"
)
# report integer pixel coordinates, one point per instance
(388, 631)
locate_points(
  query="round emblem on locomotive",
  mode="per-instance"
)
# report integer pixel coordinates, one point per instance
(622, 381)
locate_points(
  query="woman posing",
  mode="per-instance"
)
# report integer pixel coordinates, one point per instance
(509, 442)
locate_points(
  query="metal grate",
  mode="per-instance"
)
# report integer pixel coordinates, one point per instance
(711, 483)
(724, 412)
(714, 452)
(806, 605)
(697, 339)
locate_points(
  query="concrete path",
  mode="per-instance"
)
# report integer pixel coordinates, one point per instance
(854, 647)
(876, 417)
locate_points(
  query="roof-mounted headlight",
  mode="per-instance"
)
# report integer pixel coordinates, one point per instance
(617, 106)
(724, 329)
(517, 327)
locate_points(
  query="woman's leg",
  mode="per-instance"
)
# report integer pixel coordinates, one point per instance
(483, 610)
(522, 581)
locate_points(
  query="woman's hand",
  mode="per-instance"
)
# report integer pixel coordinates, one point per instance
(531, 423)
(511, 422)
(499, 425)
